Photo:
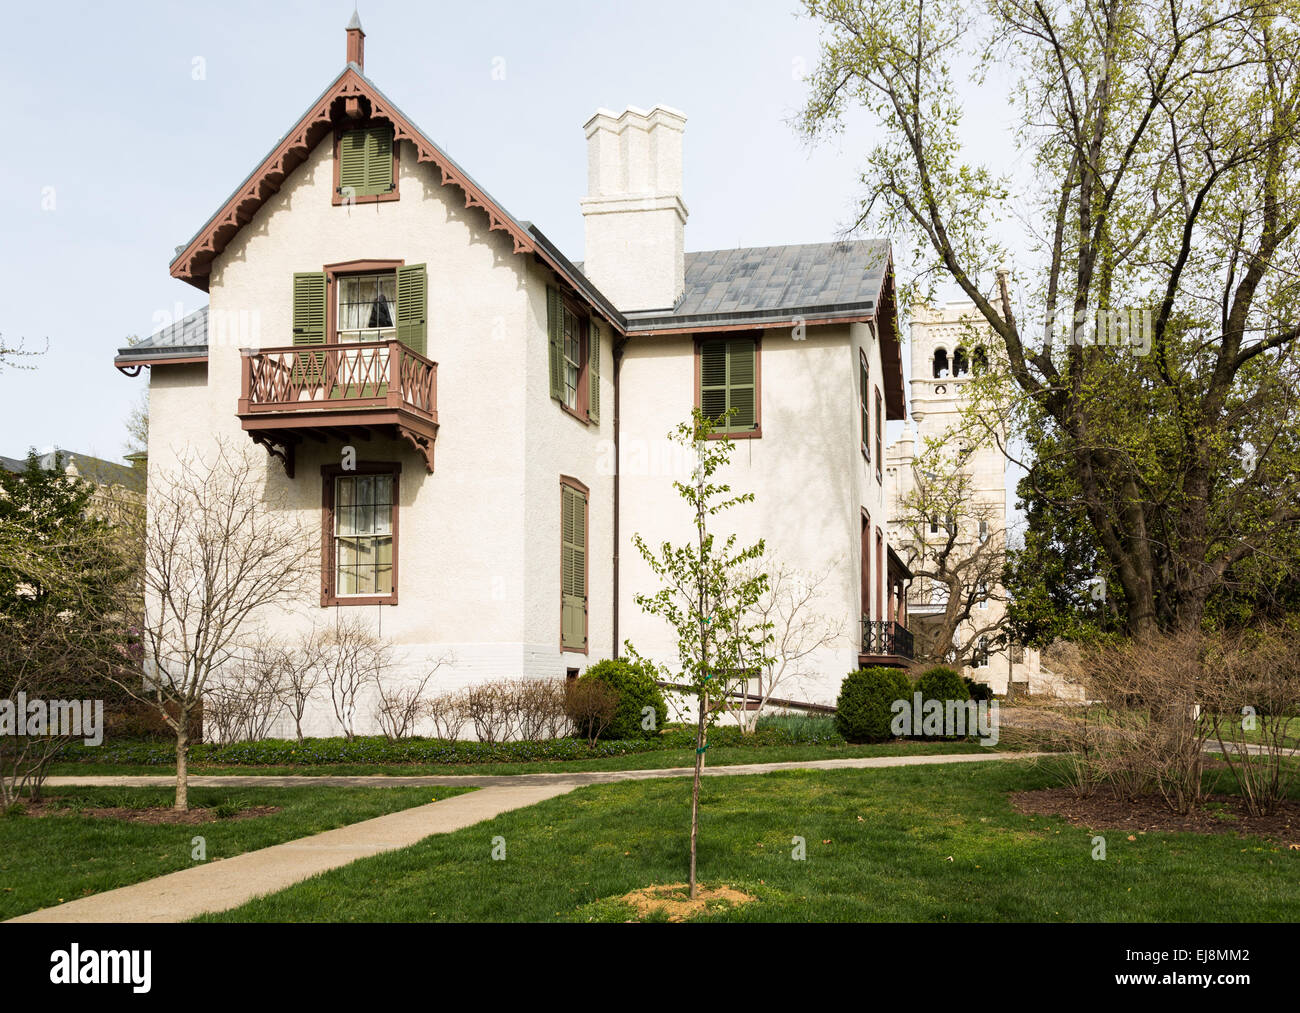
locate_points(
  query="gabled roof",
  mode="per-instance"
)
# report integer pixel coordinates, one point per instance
(350, 92)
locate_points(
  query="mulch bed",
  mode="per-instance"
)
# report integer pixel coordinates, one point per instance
(1222, 814)
(195, 817)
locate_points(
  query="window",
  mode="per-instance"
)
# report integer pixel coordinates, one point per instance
(573, 358)
(365, 165)
(880, 433)
(960, 363)
(573, 565)
(574, 344)
(984, 532)
(866, 565)
(940, 364)
(983, 592)
(360, 528)
(980, 658)
(864, 380)
(728, 387)
(367, 307)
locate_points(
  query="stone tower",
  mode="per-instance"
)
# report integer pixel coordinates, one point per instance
(949, 345)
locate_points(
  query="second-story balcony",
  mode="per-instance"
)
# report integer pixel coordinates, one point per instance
(323, 392)
(885, 643)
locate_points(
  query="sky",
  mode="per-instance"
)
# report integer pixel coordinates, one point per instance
(136, 121)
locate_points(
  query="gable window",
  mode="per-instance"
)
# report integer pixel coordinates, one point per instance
(728, 385)
(574, 353)
(365, 165)
(573, 565)
(360, 534)
(864, 386)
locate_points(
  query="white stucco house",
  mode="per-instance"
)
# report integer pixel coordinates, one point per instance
(510, 406)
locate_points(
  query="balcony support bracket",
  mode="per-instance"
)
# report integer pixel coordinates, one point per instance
(282, 451)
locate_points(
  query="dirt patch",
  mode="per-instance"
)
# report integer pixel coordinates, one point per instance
(1222, 814)
(674, 901)
(51, 808)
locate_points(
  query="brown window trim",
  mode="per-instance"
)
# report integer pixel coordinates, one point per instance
(583, 412)
(329, 472)
(573, 483)
(346, 269)
(376, 198)
(749, 434)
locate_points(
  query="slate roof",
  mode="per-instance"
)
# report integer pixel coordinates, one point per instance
(762, 283)
(184, 338)
(93, 469)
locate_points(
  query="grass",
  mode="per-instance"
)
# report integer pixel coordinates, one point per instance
(653, 760)
(930, 844)
(52, 859)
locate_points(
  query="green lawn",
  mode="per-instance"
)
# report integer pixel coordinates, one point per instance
(937, 843)
(650, 760)
(50, 859)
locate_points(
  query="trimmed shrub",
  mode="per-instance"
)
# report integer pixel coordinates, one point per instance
(979, 691)
(941, 683)
(863, 712)
(637, 689)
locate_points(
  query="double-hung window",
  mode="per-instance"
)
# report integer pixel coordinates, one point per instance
(360, 564)
(574, 354)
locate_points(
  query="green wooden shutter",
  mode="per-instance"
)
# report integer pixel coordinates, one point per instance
(366, 161)
(713, 379)
(555, 336)
(413, 307)
(593, 370)
(309, 325)
(573, 576)
(352, 163)
(742, 384)
(864, 386)
(379, 160)
(729, 382)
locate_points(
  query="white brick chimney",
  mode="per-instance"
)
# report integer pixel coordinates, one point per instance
(634, 214)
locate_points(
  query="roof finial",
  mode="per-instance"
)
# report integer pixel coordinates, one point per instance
(356, 41)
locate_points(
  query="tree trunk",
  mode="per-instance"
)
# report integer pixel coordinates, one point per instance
(182, 765)
(695, 788)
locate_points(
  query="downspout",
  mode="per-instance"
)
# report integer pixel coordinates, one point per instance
(618, 472)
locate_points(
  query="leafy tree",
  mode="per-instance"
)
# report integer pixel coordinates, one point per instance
(1157, 172)
(709, 595)
(68, 595)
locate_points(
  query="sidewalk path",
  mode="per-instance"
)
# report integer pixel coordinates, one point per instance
(221, 885)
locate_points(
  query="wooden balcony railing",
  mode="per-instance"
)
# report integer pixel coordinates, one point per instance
(373, 374)
(882, 639)
(333, 389)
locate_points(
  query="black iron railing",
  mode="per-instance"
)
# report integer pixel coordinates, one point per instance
(884, 638)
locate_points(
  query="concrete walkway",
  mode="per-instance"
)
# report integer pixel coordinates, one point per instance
(221, 885)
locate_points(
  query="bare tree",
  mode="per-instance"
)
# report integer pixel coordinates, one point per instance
(301, 675)
(446, 712)
(398, 709)
(219, 547)
(248, 697)
(950, 539)
(355, 659)
(790, 608)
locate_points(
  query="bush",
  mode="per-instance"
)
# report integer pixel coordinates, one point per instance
(637, 689)
(864, 710)
(978, 691)
(941, 683)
